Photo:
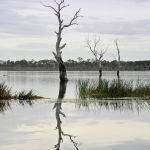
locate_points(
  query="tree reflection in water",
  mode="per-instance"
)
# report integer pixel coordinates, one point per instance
(59, 113)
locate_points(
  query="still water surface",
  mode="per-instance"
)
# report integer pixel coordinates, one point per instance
(100, 125)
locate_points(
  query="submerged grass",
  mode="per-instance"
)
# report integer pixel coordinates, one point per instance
(113, 89)
(6, 94)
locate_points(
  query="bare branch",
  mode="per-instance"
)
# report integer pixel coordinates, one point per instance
(56, 33)
(49, 6)
(73, 19)
(63, 46)
(64, 7)
(96, 42)
(60, 5)
(96, 50)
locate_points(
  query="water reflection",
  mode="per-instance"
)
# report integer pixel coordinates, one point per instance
(59, 113)
(114, 105)
(7, 104)
(4, 105)
(26, 102)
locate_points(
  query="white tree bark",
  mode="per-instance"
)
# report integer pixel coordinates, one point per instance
(60, 5)
(118, 53)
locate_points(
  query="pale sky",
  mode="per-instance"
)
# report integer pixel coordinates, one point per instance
(27, 29)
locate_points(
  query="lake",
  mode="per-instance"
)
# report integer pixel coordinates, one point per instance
(63, 122)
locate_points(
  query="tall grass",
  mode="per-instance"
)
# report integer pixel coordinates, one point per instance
(113, 89)
(6, 94)
(23, 95)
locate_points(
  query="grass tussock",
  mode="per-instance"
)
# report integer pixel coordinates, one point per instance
(113, 89)
(23, 95)
(6, 94)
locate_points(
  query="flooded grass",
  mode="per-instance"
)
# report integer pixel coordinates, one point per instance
(23, 95)
(6, 94)
(113, 89)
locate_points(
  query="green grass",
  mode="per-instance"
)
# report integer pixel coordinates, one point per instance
(113, 89)
(6, 94)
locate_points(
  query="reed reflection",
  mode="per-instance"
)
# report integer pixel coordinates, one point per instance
(122, 105)
(59, 114)
(8, 104)
(4, 105)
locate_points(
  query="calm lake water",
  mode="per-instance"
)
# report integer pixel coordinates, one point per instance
(82, 125)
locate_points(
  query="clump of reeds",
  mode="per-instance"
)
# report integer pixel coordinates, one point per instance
(112, 89)
(6, 94)
(23, 95)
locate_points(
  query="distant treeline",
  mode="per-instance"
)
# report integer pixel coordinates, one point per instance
(71, 65)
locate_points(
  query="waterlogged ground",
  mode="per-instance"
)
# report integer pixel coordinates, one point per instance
(82, 125)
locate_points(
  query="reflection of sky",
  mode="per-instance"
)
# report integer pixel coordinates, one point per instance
(34, 128)
(47, 84)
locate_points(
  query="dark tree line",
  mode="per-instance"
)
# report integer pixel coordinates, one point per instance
(73, 65)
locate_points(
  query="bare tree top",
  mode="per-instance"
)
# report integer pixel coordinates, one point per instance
(118, 50)
(60, 5)
(95, 48)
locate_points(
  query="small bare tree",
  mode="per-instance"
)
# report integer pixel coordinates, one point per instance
(60, 5)
(97, 52)
(118, 53)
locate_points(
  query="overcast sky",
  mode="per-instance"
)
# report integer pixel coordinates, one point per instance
(27, 29)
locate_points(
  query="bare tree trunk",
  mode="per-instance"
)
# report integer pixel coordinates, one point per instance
(100, 69)
(118, 73)
(60, 5)
(62, 68)
(118, 67)
(62, 71)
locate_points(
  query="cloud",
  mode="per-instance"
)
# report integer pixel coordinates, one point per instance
(138, 1)
(117, 27)
(28, 26)
(30, 20)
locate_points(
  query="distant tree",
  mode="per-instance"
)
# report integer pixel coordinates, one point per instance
(88, 60)
(118, 61)
(60, 5)
(80, 59)
(97, 52)
(70, 61)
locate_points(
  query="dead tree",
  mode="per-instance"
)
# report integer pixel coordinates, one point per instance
(97, 52)
(118, 62)
(60, 5)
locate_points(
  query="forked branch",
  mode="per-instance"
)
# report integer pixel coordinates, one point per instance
(95, 49)
(74, 18)
(60, 5)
